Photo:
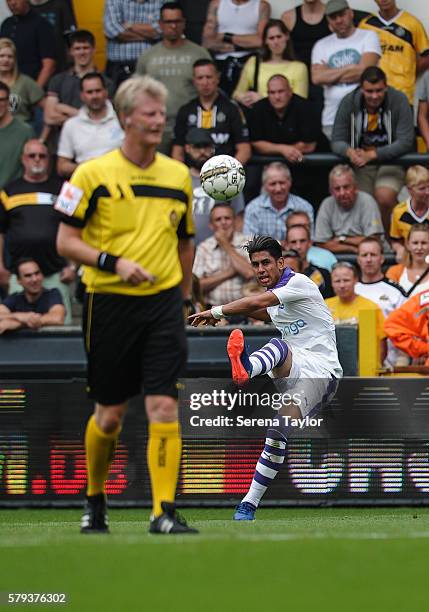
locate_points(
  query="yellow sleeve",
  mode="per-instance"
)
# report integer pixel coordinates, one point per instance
(186, 228)
(246, 78)
(299, 81)
(420, 39)
(78, 198)
(395, 231)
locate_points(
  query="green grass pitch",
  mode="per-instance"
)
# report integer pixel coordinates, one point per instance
(336, 559)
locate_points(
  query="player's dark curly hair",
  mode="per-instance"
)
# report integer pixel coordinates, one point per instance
(264, 243)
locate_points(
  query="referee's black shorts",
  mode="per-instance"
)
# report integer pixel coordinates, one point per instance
(133, 341)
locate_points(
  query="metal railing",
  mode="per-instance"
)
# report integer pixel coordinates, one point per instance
(330, 159)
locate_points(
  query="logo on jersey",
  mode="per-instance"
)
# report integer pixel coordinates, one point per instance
(423, 301)
(344, 57)
(69, 199)
(424, 298)
(14, 102)
(220, 138)
(293, 329)
(392, 48)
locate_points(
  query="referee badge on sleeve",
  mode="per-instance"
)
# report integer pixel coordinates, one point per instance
(68, 199)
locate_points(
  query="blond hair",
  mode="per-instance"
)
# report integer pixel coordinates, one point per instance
(125, 97)
(7, 43)
(407, 259)
(416, 175)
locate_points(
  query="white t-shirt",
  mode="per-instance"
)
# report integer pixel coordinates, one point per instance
(82, 138)
(305, 322)
(385, 293)
(337, 53)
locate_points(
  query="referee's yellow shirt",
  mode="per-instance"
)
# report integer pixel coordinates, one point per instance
(131, 212)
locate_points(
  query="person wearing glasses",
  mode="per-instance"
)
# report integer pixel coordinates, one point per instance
(29, 223)
(170, 61)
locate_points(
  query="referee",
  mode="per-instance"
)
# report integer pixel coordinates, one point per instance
(127, 216)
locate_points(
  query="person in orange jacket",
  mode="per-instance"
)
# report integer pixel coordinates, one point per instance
(408, 328)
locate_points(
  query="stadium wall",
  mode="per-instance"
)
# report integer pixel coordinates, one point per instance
(42, 458)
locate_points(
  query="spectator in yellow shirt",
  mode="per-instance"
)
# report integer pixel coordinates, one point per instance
(346, 305)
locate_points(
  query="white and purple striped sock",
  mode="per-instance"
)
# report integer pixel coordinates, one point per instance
(269, 464)
(271, 355)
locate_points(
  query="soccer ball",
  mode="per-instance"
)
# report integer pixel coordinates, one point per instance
(222, 177)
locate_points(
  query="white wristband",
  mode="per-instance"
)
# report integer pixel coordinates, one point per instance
(217, 312)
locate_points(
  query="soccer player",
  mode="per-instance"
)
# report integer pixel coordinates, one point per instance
(127, 218)
(305, 358)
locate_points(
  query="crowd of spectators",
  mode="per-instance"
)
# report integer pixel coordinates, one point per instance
(256, 81)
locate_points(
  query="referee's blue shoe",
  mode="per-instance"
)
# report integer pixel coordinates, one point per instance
(245, 511)
(241, 367)
(94, 518)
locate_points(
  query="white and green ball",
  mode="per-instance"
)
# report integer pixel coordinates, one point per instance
(222, 177)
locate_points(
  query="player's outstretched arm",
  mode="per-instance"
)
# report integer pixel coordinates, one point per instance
(244, 306)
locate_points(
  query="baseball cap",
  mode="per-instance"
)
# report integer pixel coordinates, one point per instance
(199, 136)
(336, 6)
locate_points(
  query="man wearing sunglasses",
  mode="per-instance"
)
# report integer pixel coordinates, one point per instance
(170, 61)
(29, 222)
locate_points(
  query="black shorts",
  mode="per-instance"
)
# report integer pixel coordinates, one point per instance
(134, 340)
